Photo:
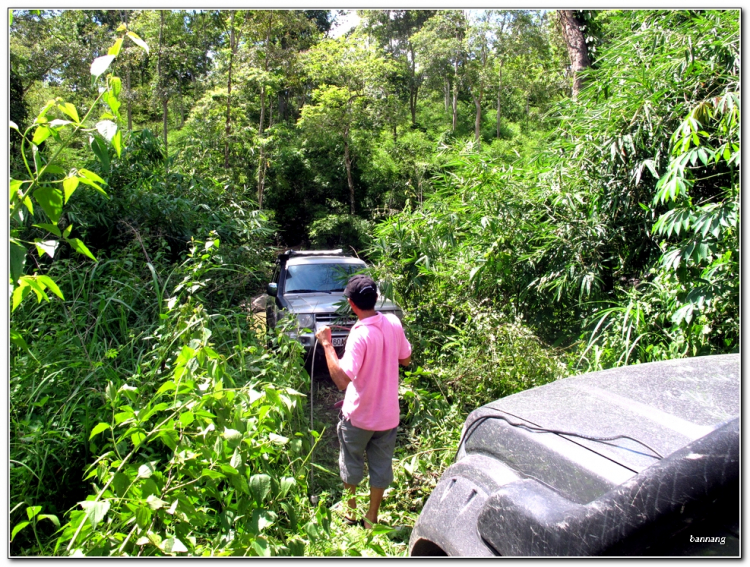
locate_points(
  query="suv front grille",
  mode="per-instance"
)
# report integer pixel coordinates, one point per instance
(333, 319)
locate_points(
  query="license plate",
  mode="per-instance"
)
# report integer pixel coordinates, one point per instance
(339, 341)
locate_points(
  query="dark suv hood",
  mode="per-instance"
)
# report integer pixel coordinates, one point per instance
(326, 302)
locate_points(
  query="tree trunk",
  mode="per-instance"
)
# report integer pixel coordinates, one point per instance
(478, 120)
(414, 88)
(262, 158)
(348, 162)
(130, 96)
(127, 82)
(577, 50)
(228, 126)
(446, 94)
(499, 90)
(455, 98)
(165, 114)
(162, 89)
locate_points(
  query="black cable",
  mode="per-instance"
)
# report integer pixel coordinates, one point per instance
(476, 423)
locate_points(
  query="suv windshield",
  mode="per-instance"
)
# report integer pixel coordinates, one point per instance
(307, 278)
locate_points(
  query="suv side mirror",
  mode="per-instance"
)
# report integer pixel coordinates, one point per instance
(272, 289)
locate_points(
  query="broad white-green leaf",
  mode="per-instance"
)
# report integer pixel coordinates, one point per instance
(278, 439)
(14, 126)
(107, 129)
(137, 40)
(232, 434)
(146, 470)
(154, 502)
(173, 545)
(101, 64)
(95, 511)
(47, 247)
(50, 283)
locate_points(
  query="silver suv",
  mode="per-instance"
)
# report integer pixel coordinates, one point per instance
(309, 285)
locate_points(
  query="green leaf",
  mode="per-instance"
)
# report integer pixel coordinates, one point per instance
(107, 129)
(94, 185)
(115, 49)
(99, 428)
(101, 64)
(95, 511)
(67, 230)
(260, 486)
(17, 528)
(116, 142)
(137, 40)
(285, 485)
(41, 133)
(17, 260)
(278, 439)
(100, 150)
(146, 470)
(70, 110)
(47, 247)
(212, 474)
(51, 200)
(173, 545)
(50, 283)
(154, 502)
(232, 434)
(80, 247)
(17, 339)
(137, 438)
(19, 294)
(70, 184)
(50, 228)
(261, 547)
(261, 519)
(87, 174)
(32, 511)
(115, 85)
(186, 418)
(143, 517)
(51, 517)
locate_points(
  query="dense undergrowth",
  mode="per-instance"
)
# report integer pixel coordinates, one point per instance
(150, 414)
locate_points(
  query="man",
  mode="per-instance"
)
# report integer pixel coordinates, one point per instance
(369, 372)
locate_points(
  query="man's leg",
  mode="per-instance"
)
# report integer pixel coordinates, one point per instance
(376, 497)
(380, 459)
(352, 501)
(352, 442)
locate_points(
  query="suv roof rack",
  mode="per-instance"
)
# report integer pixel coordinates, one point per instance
(289, 253)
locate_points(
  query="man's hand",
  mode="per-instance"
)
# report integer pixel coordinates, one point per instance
(324, 336)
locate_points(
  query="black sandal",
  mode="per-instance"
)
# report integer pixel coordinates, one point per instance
(351, 522)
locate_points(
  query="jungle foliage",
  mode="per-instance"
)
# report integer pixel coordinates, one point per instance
(160, 160)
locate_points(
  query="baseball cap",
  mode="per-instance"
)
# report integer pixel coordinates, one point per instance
(360, 287)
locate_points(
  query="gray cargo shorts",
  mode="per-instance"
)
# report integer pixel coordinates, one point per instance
(379, 446)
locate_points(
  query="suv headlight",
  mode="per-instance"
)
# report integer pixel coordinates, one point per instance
(306, 320)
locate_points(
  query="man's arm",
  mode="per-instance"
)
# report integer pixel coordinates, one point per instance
(338, 375)
(405, 361)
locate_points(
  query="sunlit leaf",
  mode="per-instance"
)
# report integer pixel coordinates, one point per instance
(101, 64)
(137, 40)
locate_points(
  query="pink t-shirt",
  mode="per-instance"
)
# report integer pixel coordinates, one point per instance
(373, 349)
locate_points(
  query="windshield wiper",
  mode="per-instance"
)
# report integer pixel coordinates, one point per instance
(308, 291)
